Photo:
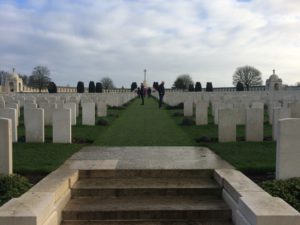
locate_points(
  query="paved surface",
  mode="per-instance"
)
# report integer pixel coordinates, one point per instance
(114, 158)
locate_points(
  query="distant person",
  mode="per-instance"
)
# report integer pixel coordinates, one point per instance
(139, 92)
(161, 93)
(149, 92)
(142, 93)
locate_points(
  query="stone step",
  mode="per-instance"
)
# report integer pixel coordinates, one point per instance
(154, 173)
(145, 186)
(144, 223)
(200, 208)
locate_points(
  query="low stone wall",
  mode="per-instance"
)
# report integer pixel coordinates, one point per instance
(250, 204)
(44, 202)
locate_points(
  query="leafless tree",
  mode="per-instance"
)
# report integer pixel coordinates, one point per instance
(107, 83)
(248, 76)
(40, 78)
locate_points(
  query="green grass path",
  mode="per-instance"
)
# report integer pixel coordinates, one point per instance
(144, 125)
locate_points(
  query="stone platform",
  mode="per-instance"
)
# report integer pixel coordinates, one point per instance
(147, 158)
(147, 186)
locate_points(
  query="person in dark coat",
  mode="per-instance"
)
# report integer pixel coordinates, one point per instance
(142, 93)
(149, 92)
(139, 92)
(161, 93)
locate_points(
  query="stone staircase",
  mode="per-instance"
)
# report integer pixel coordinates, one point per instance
(148, 197)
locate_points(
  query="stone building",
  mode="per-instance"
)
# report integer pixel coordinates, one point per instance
(12, 83)
(274, 83)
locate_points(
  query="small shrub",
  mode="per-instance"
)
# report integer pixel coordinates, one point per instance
(288, 190)
(80, 87)
(239, 86)
(92, 87)
(176, 114)
(179, 106)
(52, 88)
(12, 186)
(187, 122)
(102, 122)
(198, 87)
(209, 87)
(118, 107)
(113, 115)
(191, 88)
(205, 139)
(99, 88)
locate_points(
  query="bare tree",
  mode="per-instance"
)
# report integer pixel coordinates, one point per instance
(40, 78)
(183, 82)
(248, 76)
(107, 83)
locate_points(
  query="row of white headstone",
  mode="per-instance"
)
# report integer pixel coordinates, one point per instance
(42, 110)
(227, 117)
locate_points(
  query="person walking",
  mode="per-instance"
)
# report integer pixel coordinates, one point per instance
(139, 92)
(149, 92)
(161, 93)
(142, 93)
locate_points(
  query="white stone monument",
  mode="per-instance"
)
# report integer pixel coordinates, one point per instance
(35, 126)
(88, 114)
(188, 107)
(255, 124)
(288, 149)
(12, 115)
(101, 109)
(62, 128)
(73, 108)
(6, 155)
(227, 125)
(201, 113)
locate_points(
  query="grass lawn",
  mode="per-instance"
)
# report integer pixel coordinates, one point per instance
(30, 159)
(144, 125)
(249, 157)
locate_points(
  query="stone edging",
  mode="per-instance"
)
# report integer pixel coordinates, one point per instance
(250, 204)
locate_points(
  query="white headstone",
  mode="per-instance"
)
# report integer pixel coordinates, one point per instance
(34, 126)
(12, 115)
(288, 149)
(48, 113)
(101, 109)
(62, 128)
(188, 107)
(227, 125)
(88, 114)
(255, 124)
(6, 155)
(279, 113)
(73, 108)
(201, 113)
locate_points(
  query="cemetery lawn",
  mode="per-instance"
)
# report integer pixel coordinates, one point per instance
(145, 125)
(41, 159)
(249, 157)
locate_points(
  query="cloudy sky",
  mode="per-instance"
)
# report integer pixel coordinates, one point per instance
(208, 39)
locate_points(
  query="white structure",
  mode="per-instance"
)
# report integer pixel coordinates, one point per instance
(6, 164)
(12, 115)
(288, 149)
(62, 128)
(12, 83)
(227, 125)
(88, 114)
(34, 126)
(255, 124)
(274, 83)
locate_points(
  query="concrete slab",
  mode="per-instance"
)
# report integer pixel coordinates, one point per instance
(147, 158)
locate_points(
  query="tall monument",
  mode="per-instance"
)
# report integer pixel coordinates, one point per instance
(145, 78)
